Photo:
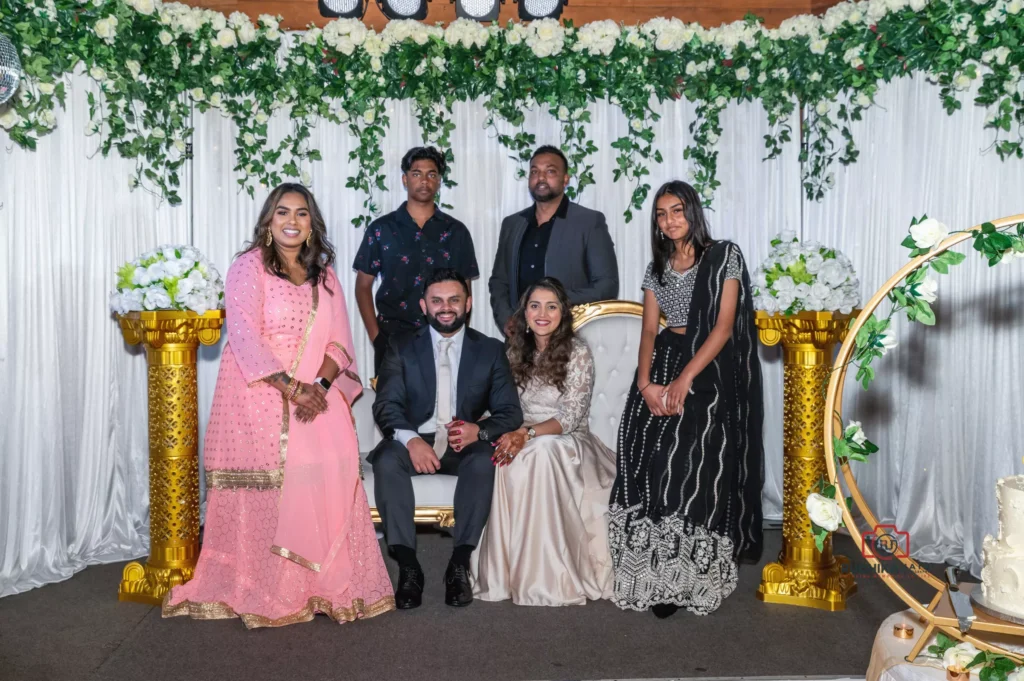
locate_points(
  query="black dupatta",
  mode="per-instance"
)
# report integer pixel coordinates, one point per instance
(735, 374)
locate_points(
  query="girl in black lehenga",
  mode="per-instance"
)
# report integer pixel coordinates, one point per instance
(686, 504)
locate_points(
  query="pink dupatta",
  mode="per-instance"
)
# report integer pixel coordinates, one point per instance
(321, 483)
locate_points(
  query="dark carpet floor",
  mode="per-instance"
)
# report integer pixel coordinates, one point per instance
(77, 630)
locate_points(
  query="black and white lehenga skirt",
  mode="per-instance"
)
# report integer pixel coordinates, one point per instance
(677, 511)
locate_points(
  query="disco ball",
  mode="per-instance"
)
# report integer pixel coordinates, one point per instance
(10, 69)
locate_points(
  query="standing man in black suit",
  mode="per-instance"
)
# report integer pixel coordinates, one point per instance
(433, 388)
(552, 238)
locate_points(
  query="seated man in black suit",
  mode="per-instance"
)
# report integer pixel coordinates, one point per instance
(432, 390)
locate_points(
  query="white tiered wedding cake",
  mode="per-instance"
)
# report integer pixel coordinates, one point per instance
(1002, 576)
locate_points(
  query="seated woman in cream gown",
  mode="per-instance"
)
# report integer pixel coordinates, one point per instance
(546, 540)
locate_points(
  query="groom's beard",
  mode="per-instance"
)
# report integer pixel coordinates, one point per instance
(454, 326)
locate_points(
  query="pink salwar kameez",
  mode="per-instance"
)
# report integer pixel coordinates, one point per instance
(288, 530)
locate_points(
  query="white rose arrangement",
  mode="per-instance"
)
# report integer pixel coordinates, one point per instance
(805, 276)
(168, 278)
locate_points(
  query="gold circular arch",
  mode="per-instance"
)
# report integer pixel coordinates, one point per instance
(938, 614)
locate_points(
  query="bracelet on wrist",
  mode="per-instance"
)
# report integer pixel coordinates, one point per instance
(293, 390)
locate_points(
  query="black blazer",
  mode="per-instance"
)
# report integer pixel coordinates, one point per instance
(407, 385)
(580, 254)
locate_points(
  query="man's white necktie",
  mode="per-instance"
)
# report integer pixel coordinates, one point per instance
(444, 397)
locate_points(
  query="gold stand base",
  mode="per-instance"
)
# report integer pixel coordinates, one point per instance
(820, 588)
(149, 584)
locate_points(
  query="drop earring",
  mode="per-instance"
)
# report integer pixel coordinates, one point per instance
(270, 237)
(309, 239)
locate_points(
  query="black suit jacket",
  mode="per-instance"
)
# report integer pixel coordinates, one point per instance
(580, 254)
(407, 385)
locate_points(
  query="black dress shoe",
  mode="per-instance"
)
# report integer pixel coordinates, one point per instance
(457, 590)
(409, 593)
(664, 610)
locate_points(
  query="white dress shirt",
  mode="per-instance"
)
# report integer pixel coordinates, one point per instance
(454, 356)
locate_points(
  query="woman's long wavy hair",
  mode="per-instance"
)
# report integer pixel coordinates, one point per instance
(552, 365)
(699, 236)
(316, 257)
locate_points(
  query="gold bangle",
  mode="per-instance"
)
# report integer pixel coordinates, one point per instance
(293, 390)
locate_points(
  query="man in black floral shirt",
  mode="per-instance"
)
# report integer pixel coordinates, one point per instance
(403, 247)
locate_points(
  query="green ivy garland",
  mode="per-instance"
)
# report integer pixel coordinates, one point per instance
(151, 62)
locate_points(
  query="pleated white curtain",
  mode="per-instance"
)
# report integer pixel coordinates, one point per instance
(73, 473)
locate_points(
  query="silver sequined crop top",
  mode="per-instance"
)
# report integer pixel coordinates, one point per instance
(674, 297)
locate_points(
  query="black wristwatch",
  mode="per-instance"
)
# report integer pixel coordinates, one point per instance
(323, 383)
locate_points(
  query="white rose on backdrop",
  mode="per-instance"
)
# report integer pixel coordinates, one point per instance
(306, 178)
(179, 144)
(158, 133)
(165, 38)
(918, 5)
(637, 125)
(439, 63)
(369, 116)
(742, 73)
(106, 29)
(824, 512)
(928, 290)
(376, 64)
(248, 139)
(563, 113)
(216, 100)
(768, 303)
(855, 432)
(98, 74)
(217, 81)
(226, 38)
(929, 233)
(823, 107)
(91, 128)
(197, 94)
(581, 76)
(147, 7)
(134, 68)
(802, 290)
(819, 46)
(247, 33)
(217, 20)
(47, 88)
(959, 656)
(760, 278)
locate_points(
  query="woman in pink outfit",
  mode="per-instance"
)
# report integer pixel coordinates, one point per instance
(288, 531)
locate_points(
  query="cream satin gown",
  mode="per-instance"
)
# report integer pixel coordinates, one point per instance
(546, 540)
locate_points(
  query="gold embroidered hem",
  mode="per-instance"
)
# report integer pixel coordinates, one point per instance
(241, 478)
(295, 558)
(315, 604)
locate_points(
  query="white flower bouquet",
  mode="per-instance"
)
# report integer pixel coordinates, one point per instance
(168, 278)
(805, 277)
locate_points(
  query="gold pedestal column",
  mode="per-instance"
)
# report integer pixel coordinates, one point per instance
(172, 340)
(803, 575)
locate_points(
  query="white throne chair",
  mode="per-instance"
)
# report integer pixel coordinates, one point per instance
(612, 330)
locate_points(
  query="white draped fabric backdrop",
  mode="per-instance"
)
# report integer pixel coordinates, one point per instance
(73, 472)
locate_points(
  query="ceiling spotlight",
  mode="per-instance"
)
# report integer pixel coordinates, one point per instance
(404, 9)
(347, 9)
(541, 9)
(478, 10)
